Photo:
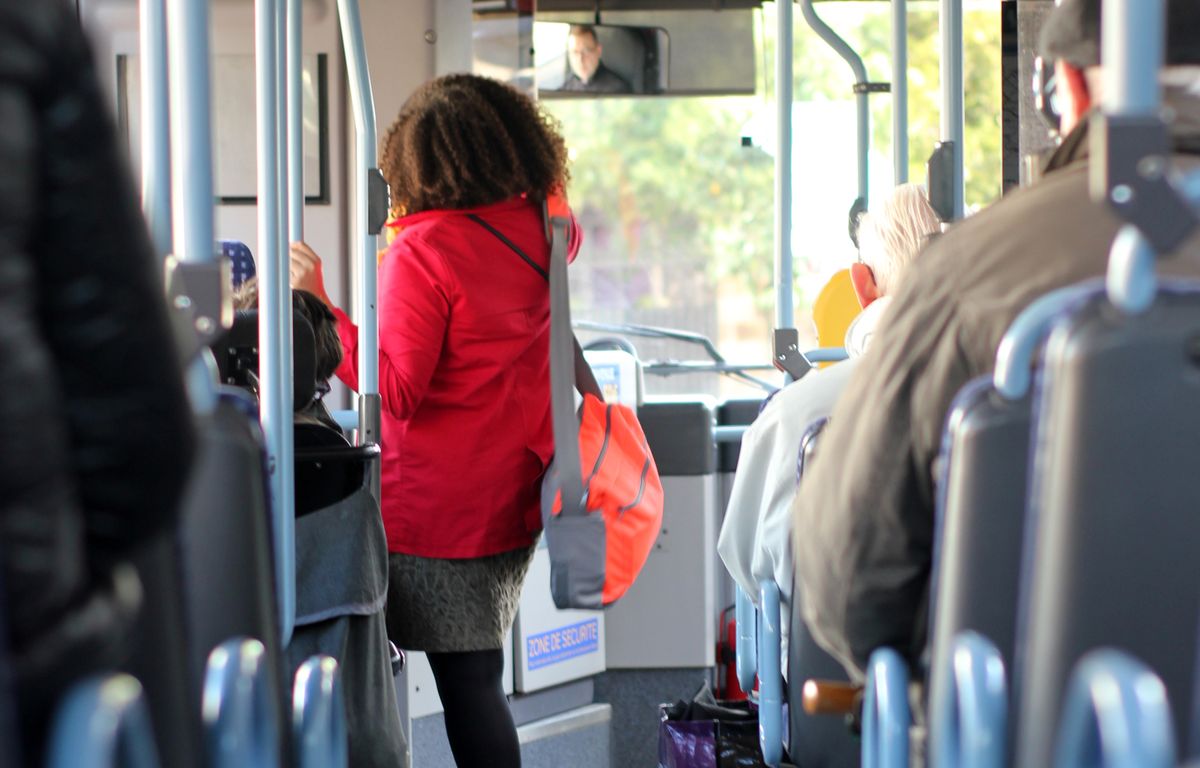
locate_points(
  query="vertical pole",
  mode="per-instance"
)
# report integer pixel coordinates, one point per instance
(191, 144)
(155, 122)
(784, 309)
(295, 122)
(900, 89)
(951, 24)
(275, 399)
(363, 103)
(1131, 85)
(862, 97)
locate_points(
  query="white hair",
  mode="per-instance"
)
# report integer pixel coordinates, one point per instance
(893, 233)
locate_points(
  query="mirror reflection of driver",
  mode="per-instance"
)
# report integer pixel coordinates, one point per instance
(588, 72)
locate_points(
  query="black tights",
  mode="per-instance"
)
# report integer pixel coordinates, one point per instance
(478, 722)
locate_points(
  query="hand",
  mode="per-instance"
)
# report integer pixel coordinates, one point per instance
(304, 269)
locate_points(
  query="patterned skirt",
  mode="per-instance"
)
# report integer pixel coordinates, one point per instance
(442, 605)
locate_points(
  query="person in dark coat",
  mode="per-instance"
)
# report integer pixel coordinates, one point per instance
(864, 520)
(96, 437)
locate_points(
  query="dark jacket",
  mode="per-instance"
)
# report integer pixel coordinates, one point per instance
(95, 428)
(864, 515)
(604, 80)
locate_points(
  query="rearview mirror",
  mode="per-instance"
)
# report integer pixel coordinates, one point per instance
(600, 59)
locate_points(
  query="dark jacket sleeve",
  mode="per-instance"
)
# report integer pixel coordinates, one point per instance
(102, 309)
(864, 512)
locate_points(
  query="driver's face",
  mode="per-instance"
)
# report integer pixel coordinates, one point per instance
(583, 53)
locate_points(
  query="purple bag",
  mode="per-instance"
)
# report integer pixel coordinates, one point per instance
(706, 733)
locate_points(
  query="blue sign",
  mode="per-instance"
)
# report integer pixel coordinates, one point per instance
(562, 643)
(608, 376)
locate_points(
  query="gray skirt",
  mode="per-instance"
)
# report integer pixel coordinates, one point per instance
(442, 605)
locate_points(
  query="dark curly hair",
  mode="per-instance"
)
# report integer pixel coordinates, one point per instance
(463, 141)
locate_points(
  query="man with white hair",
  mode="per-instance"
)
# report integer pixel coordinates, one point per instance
(867, 514)
(755, 537)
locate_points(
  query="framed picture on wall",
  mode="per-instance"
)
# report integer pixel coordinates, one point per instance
(235, 136)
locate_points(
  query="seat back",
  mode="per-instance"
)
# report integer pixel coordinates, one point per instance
(226, 547)
(980, 525)
(814, 740)
(1113, 500)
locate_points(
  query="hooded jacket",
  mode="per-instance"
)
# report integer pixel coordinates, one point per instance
(865, 558)
(95, 427)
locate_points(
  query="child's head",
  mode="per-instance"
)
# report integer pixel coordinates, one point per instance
(328, 348)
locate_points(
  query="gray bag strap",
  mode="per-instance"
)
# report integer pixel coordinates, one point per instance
(563, 369)
(568, 367)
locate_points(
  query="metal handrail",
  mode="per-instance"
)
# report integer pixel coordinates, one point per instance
(319, 715)
(1116, 715)
(968, 731)
(103, 723)
(747, 641)
(155, 121)
(770, 677)
(886, 713)
(239, 707)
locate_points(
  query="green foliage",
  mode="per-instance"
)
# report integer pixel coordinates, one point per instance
(669, 181)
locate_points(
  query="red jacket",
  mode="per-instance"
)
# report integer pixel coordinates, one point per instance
(464, 327)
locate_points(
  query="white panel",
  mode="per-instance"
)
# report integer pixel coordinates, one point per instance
(553, 646)
(667, 618)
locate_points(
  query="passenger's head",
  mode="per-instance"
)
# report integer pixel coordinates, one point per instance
(583, 51)
(890, 236)
(1071, 37)
(462, 141)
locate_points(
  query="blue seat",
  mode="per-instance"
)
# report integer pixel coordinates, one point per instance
(103, 723)
(814, 740)
(980, 528)
(1113, 502)
(1116, 715)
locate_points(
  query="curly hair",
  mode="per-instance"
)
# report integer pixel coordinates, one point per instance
(464, 141)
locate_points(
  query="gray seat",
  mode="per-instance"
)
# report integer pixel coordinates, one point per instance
(1114, 502)
(819, 741)
(980, 524)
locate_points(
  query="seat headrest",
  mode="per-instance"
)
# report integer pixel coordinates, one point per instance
(237, 356)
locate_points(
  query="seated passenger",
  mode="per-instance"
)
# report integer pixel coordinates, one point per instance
(755, 537)
(96, 435)
(864, 515)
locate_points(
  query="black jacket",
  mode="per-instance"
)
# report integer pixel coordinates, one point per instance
(96, 435)
(864, 514)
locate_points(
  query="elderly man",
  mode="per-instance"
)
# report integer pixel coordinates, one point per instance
(755, 537)
(864, 515)
(588, 72)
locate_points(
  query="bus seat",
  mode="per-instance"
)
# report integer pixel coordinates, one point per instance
(814, 740)
(341, 589)
(161, 653)
(103, 723)
(1113, 500)
(240, 707)
(1116, 714)
(980, 526)
(241, 260)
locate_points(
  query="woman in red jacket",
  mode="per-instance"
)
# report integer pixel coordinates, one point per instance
(464, 377)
